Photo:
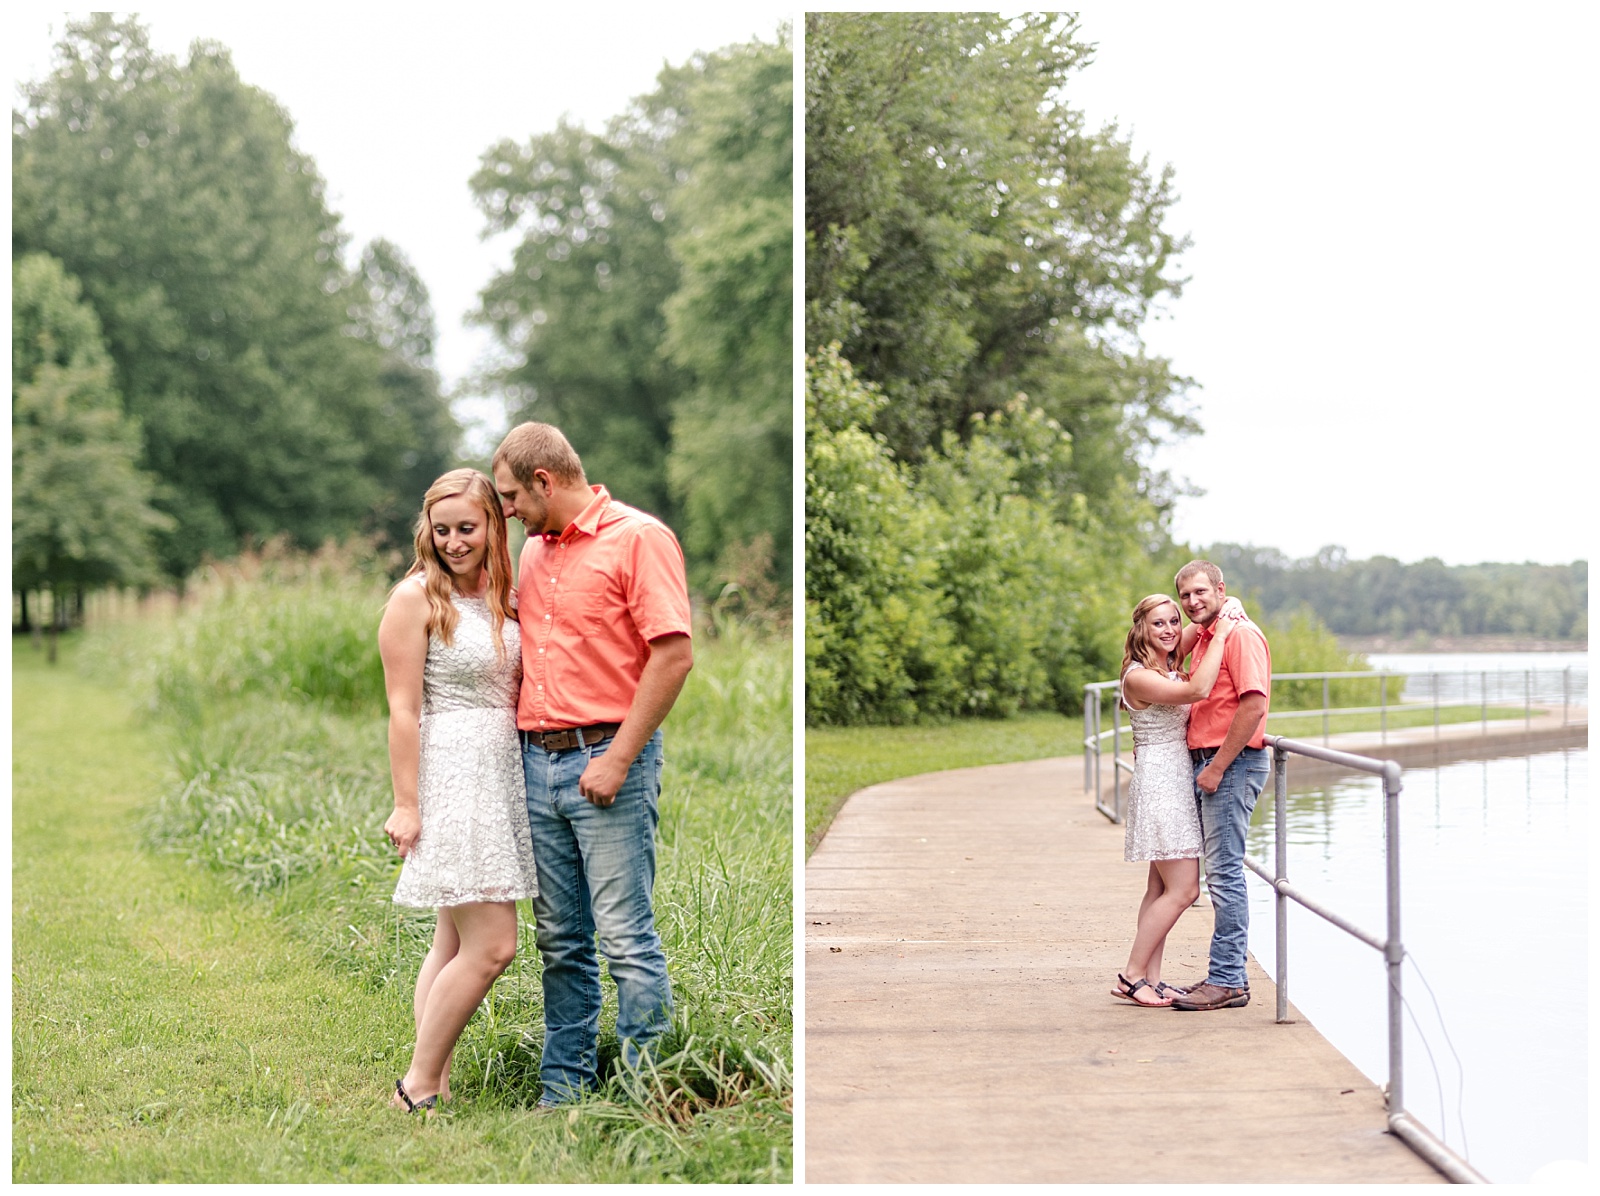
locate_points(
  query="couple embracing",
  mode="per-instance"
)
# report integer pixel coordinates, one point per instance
(526, 755)
(1200, 762)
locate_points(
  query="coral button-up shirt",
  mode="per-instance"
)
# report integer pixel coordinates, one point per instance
(1246, 668)
(589, 600)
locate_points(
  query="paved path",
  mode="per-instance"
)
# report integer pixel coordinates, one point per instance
(963, 930)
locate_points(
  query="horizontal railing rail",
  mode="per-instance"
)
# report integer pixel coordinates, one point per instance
(1536, 689)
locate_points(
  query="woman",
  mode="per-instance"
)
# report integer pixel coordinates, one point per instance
(1163, 822)
(452, 666)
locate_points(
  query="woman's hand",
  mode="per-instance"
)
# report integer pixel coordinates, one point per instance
(404, 828)
(1233, 609)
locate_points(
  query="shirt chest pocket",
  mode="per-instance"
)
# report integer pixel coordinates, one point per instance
(584, 606)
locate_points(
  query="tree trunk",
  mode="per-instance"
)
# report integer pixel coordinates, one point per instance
(26, 626)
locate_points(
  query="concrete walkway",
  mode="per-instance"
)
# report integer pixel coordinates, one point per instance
(963, 930)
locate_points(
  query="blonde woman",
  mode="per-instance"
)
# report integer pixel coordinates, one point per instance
(452, 665)
(1162, 818)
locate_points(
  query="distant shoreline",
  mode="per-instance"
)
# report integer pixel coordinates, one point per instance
(1456, 643)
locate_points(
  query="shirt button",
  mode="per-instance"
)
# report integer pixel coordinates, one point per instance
(541, 651)
(541, 687)
(547, 618)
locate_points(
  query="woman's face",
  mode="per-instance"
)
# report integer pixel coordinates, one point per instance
(1164, 626)
(460, 535)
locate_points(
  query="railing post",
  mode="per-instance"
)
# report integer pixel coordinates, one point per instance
(1324, 710)
(1383, 707)
(1435, 679)
(1116, 752)
(1087, 763)
(1527, 700)
(1483, 693)
(1393, 952)
(1566, 686)
(1280, 806)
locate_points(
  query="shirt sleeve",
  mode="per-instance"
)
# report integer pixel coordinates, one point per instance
(658, 588)
(1249, 663)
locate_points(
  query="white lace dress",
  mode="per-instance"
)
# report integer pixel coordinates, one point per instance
(1162, 819)
(475, 843)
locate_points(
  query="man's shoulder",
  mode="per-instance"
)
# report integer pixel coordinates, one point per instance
(619, 519)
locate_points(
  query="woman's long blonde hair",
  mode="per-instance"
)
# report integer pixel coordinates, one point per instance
(1138, 646)
(438, 582)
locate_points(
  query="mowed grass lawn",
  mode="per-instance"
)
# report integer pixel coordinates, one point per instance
(168, 1028)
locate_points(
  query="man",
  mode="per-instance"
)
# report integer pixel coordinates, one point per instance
(604, 611)
(1228, 747)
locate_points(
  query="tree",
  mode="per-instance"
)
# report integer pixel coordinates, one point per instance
(729, 323)
(201, 238)
(81, 514)
(967, 238)
(388, 307)
(648, 304)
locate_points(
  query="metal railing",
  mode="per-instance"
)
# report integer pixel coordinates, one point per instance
(1401, 1124)
(1446, 690)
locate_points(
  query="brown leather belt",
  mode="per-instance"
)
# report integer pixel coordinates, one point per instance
(572, 737)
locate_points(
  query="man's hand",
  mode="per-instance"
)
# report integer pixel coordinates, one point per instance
(1210, 777)
(602, 779)
(404, 828)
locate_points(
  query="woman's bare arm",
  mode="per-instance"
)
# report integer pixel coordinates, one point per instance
(403, 644)
(1147, 685)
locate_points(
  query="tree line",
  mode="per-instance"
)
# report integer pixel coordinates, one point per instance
(198, 365)
(980, 511)
(1381, 596)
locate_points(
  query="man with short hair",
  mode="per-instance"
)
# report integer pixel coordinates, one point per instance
(1228, 747)
(604, 611)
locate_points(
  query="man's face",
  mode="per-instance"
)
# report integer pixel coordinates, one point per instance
(1200, 598)
(521, 503)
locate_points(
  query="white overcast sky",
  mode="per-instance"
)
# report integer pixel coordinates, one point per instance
(1392, 310)
(1391, 307)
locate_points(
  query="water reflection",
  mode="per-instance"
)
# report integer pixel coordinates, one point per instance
(1494, 907)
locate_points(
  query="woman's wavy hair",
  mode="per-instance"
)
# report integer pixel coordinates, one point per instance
(1138, 646)
(438, 582)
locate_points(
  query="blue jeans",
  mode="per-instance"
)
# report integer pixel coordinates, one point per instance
(596, 868)
(1224, 819)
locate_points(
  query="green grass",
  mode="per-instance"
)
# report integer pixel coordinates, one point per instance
(200, 904)
(840, 760)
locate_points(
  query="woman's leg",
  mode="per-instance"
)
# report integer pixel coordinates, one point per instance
(487, 943)
(1180, 880)
(446, 942)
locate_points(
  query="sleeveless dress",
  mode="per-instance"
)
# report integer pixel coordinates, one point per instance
(1163, 821)
(475, 843)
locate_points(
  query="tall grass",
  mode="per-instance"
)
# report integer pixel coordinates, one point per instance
(269, 689)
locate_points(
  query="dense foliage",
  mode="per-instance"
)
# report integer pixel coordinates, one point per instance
(648, 306)
(1381, 596)
(80, 505)
(200, 237)
(979, 410)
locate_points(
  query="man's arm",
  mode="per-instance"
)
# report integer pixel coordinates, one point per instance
(1245, 719)
(671, 658)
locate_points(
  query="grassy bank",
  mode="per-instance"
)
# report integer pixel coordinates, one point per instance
(222, 909)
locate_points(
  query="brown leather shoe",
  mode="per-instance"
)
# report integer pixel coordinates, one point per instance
(1212, 996)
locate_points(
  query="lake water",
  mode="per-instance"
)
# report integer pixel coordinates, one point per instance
(1461, 676)
(1494, 917)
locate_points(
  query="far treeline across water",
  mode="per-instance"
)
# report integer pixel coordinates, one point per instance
(1381, 596)
(200, 362)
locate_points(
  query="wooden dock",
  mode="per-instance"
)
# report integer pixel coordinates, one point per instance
(963, 930)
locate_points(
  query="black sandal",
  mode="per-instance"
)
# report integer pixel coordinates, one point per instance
(1171, 990)
(426, 1105)
(1128, 988)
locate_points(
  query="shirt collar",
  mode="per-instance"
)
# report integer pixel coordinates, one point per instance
(588, 520)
